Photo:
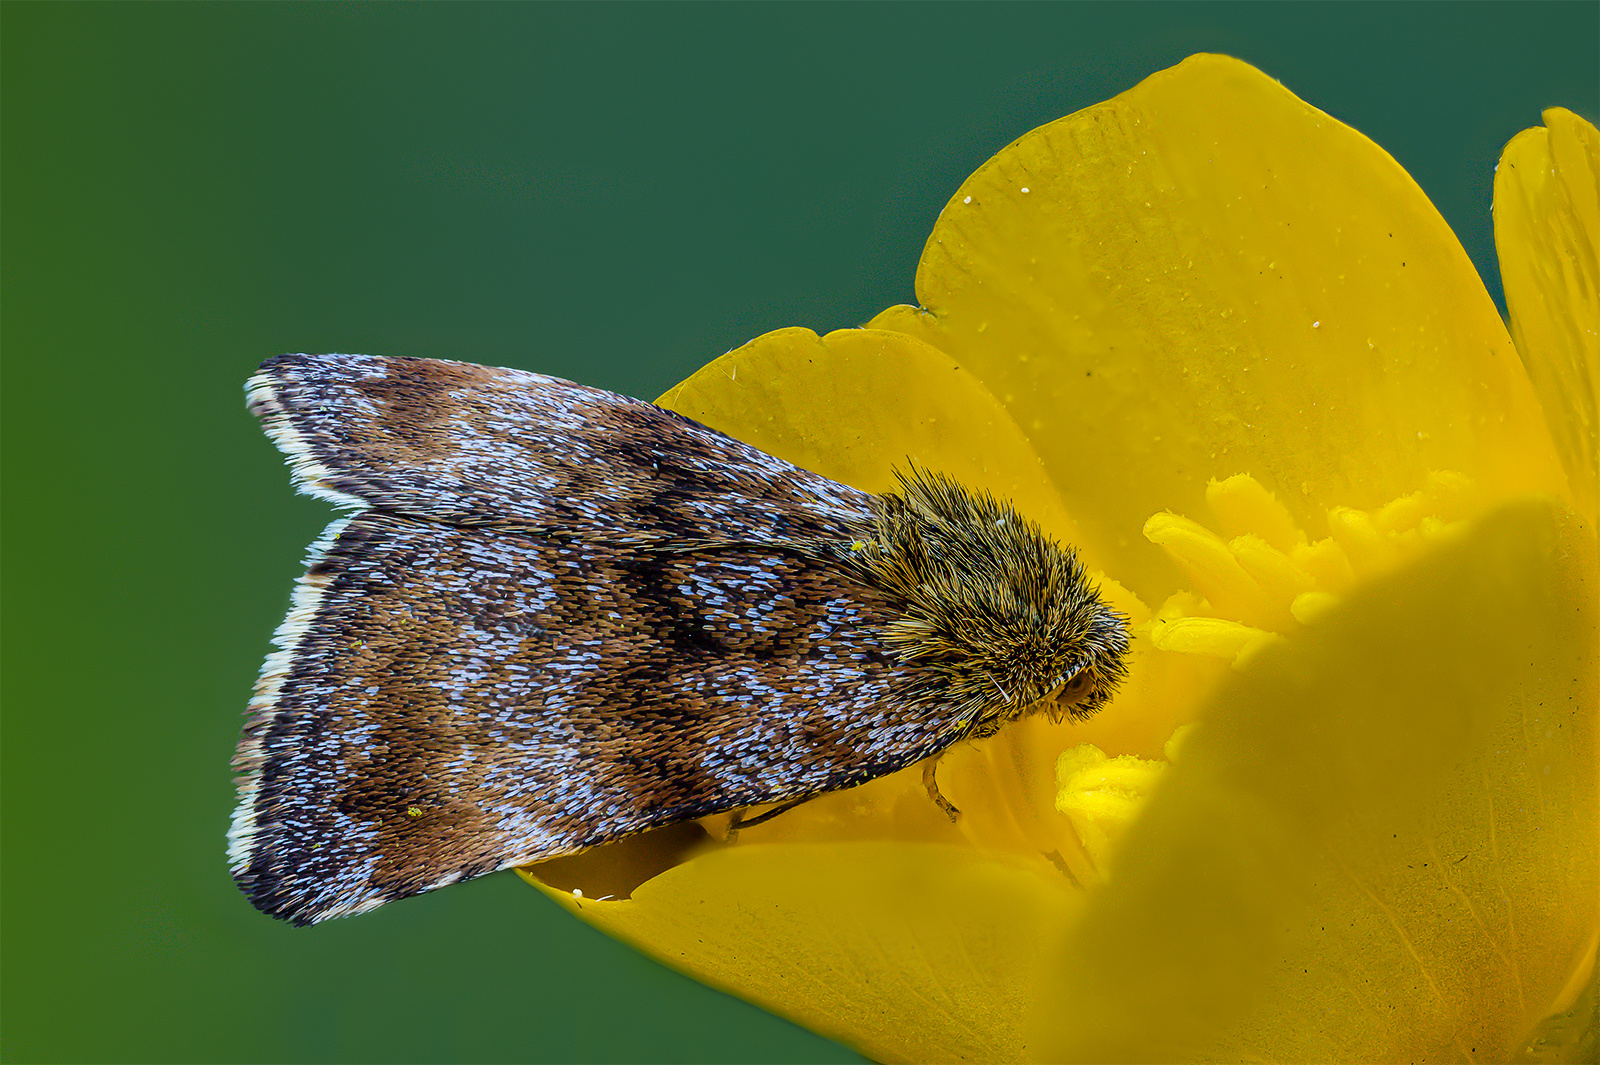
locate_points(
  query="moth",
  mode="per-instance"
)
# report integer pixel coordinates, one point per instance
(556, 616)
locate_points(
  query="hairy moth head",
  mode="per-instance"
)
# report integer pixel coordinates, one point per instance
(1000, 616)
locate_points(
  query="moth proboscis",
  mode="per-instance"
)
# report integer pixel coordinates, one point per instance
(556, 616)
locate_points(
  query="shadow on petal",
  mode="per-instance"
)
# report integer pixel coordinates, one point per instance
(1379, 845)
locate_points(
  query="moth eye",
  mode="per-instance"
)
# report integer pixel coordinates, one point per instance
(1073, 688)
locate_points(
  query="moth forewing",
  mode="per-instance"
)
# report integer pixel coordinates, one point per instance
(560, 616)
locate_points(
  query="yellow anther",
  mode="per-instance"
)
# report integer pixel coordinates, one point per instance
(1433, 529)
(1268, 579)
(1180, 605)
(1243, 506)
(1249, 651)
(1279, 579)
(1073, 760)
(1309, 606)
(1402, 514)
(1326, 563)
(1175, 742)
(1406, 544)
(1446, 497)
(1209, 565)
(1102, 796)
(1364, 543)
(1214, 637)
(1452, 495)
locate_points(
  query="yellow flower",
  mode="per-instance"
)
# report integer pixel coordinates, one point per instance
(1223, 344)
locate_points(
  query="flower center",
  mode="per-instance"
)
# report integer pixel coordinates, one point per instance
(1262, 583)
(1270, 579)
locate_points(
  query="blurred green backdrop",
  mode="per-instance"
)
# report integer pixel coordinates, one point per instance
(610, 193)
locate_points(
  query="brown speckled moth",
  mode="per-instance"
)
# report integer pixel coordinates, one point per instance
(556, 616)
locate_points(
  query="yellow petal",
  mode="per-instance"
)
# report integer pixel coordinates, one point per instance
(908, 952)
(1207, 276)
(1379, 845)
(1547, 230)
(859, 403)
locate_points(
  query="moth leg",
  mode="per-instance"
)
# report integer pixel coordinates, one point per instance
(739, 820)
(934, 793)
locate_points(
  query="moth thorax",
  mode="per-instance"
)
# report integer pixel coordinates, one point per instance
(1000, 615)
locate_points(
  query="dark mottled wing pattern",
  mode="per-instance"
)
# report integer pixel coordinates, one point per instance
(475, 445)
(488, 675)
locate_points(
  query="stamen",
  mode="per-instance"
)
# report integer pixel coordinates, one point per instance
(1102, 796)
(1216, 637)
(1326, 563)
(1242, 505)
(1446, 498)
(1309, 606)
(1365, 544)
(1279, 579)
(1269, 578)
(1208, 563)
(1176, 741)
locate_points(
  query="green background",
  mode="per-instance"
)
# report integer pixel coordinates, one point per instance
(609, 193)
